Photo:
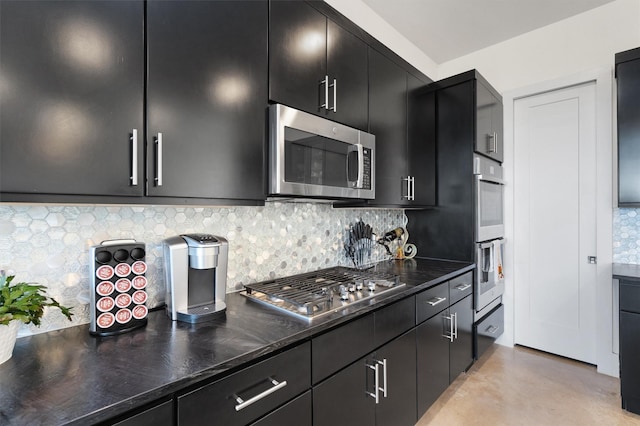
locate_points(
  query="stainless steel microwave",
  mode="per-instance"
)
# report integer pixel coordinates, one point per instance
(312, 157)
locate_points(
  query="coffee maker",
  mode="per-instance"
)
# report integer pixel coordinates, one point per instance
(196, 276)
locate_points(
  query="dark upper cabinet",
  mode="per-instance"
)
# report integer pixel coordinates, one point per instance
(72, 123)
(489, 133)
(628, 101)
(207, 96)
(316, 65)
(405, 153)
(72, 96)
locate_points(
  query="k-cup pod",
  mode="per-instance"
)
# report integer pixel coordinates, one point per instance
(123, 285)
(123, 269)
(104, 272)
(106, 320)
(139, 282)
(139, 312)
(139, 297)
(105, 304)
(139, 267)
(123, 316)
(105, 288)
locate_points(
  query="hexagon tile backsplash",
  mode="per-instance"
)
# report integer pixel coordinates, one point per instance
(50, 244)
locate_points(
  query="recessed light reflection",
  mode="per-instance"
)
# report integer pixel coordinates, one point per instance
(231, 89)
(61, 129)
(85, 45)
(311, 43)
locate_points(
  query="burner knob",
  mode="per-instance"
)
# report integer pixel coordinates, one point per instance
(352, 287)
(371, 285)
(359, 284)
(344, 294)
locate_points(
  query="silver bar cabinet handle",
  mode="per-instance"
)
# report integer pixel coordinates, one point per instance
(413, 188)
(450, 318)
(492, 329)
(495, 142)
(436, 301)
(276, 385)
(375, 395)
(335, 95)
(134, 158)
(408, 196)
(383, 363)
(325, 105)
(159, 159)
(455, 328)
(462, 287)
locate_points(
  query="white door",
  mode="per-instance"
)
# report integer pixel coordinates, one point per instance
(555, 221)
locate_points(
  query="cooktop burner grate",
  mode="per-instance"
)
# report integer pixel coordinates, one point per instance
(315, 293)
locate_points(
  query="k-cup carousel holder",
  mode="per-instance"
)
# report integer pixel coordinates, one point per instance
(118, 287)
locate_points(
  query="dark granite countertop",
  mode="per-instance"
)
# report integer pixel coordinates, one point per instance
(626, 271)
(69, 377)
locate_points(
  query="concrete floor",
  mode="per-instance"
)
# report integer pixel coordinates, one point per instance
(521, 386)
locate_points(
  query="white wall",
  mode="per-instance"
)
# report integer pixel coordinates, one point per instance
(581, 43)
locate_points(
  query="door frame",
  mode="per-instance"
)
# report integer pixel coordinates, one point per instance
(606, 354)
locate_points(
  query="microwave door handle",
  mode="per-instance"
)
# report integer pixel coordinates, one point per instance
(359, 149)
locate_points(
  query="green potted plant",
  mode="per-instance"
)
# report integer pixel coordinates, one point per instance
(21, 302)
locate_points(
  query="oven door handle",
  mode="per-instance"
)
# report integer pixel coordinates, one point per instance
(490, 179)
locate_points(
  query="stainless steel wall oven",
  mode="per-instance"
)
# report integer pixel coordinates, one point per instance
(489, 204)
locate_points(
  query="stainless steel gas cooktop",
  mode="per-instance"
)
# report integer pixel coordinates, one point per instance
(322, 292)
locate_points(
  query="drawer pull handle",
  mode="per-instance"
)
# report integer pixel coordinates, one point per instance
(492, 329)
(463, 287)
(436, 301)
(276, 385)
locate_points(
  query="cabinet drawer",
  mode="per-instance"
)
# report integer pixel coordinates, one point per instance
(630, 296)
(217, 402)
(394, 320)
(340, 347)
(296, 412)
(431, 301)
(460, 287)
(159, 415)
(488, 330)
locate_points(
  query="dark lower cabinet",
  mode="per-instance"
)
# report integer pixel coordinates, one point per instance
(72, 98)
(159, 415)
(630, 345)
(296, 412)
(397, 405)
(247, 395)
(461, 349)
(350, 396)
(432, 354)
(444, 343)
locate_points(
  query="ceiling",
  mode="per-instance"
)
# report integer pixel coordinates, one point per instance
(447, 29)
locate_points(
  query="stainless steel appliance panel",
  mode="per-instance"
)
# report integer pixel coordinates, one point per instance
(489, 199)
(311, 156)
(488, 288)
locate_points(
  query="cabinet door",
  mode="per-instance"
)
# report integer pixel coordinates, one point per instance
(432, 354)
(347, 65)
(461, 351)
(297, 55)
(628, 88)
(207, 93)
(398, 407)
(488, 123)
(421, 143)
(629, 366)
(73, 87)
(388, 122)
(344, 399)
